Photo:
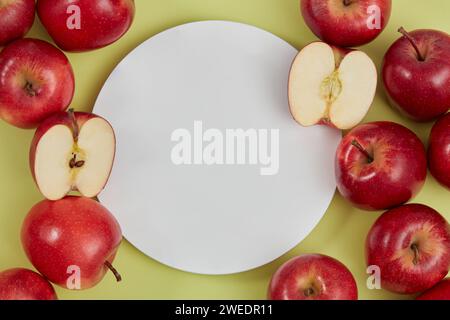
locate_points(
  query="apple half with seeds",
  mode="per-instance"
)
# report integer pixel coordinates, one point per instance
(332, 86)
(72, 151)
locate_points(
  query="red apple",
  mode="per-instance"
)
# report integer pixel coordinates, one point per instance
(74, 232)
(332, 86)
(411, 246)
(16, 18)
(36, 80)
(439, 151)
(313, 277)
(441, 291)
(346, 23)
(380, 165)
(416, 74)
(72, 151)
(24, 284)
(82, 25)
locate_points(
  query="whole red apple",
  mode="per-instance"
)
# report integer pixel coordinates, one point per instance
(380, 165)
(16, 18)
(313, 277)
(416, 74)
(24, 284)
(346, 23)
(411, 246)
(82, 25)
(441, 291)
(439, 151)
(36, 80)
(73, 233)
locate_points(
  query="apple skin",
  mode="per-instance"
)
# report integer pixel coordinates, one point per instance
(71, 231)
(102, 22)
(344, 25)
(441, 291)
(389, 245)
(396, 174)
(313, 277)
(419, 89)
(36, 80)
(439, 151)
(24, 284)
(16, 18)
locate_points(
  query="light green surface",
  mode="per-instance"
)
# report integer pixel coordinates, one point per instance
(342, 231)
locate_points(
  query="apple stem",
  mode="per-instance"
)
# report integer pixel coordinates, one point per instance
(347, 2)
(29, 89)
(308, 292)
(412, 41)
(75, 128)
(114, 271)
(415, 249)
(358, 146)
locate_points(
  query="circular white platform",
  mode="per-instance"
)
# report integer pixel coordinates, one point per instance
(212, 175)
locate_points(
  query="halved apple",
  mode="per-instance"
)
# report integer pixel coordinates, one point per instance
(330, 85)
(72, 151)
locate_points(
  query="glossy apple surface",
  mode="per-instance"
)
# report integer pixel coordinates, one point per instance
(441, 291)
(24, 284)
(313, 277)
(411, 246)
(416, 74)
(346, 23)
(380, 165)
(90, 24)
(439, 151)
(74, 232)
(36, 81)
(16, 18)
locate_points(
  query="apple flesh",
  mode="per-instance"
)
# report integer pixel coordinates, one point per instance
(72, 151)
(346, 23)
(24, 284)
(82, 25)
(71, 232)
(380, 165)
(416, 74)
(411, 246)
(441, 291)
(16, 18)
(313, 277)
(439, 151)
(36, 81)
(329, 85)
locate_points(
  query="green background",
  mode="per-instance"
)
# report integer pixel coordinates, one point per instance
(342, 231)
